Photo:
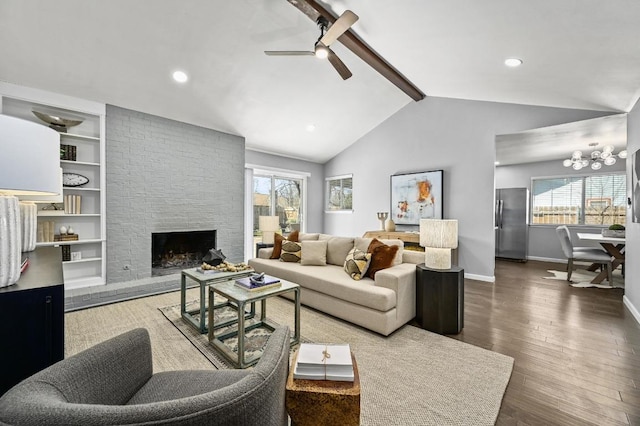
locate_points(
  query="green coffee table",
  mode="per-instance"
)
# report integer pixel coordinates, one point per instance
(238, 298)
(204, 280)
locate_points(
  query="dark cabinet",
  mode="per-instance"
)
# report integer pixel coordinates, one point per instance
(32, 318)
(440, 299)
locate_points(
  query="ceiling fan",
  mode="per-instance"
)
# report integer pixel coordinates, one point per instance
(321, 49)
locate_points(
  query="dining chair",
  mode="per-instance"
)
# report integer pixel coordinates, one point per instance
(587, 254)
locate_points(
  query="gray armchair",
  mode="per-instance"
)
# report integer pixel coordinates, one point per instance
(113, 383)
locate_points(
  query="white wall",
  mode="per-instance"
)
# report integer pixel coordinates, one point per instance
(632, 277)
(543, 242)
(457, 136)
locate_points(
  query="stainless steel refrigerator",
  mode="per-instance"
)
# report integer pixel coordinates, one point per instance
(512, 223)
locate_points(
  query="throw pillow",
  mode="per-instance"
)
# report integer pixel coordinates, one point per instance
(357, 263)
(277, 243)
(314, 253)
(337, 250)
(291, 251)
(382, 257)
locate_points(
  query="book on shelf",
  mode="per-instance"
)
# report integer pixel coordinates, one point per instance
(269, 282)
(46, 229)
(72, 204)
(324, 362)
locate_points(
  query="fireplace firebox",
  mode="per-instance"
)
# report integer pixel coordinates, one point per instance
(173, 251)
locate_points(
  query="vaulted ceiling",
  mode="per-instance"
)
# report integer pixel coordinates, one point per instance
(577, 54)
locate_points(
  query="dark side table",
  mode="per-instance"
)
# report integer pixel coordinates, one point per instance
(440, 299)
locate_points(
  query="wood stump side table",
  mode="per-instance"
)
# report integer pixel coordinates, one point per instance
(323, 402)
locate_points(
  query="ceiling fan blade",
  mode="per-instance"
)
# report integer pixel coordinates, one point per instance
(288, 53)
(342, 24)
(339, 65)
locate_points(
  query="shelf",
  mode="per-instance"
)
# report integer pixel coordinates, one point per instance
(67, 215)
(79, 163)
(68, 243)
(76, 136)
(77, 188)
(82, 282)
(88, 259)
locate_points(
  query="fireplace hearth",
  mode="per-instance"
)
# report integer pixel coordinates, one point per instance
(173, 251)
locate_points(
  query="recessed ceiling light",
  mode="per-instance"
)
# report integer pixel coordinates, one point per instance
(496, 163)
(180, 76)
(513, 62)
(311, 128)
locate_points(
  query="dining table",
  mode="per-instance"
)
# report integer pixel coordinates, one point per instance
(612, 245)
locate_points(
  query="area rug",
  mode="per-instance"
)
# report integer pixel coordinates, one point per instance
(582, 279)
(412, 377)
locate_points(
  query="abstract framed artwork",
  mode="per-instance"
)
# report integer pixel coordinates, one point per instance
(416, 196)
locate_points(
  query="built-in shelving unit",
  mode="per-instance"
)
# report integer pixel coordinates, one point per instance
(89, 140)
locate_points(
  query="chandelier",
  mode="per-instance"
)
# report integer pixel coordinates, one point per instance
(596, 159)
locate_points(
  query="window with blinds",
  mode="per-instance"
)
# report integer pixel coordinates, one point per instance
(579, 200)
(339, 193)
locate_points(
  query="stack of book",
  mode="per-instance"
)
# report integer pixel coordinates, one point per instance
(72, 204)
(324, 362)
(68, 152)
(253, 285)
(46, 231)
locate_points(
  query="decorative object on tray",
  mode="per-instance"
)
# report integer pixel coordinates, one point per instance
(324, 362)
(257, 282)
(60, 124)
(214, 257)
(223, 267)
(74, 179)
(382, 217)
(615, 230)
(416, 196)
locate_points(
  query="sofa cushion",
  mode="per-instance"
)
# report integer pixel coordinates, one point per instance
(330, 280)
(337, 249)
(307, 237)
(314, 253)
(357, 263)
(277, 243)
(382, 256)
(291, 251)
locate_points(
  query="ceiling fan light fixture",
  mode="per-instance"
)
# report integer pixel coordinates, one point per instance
(322, 51)
(596, 166)
(610, 161)
(622, 154)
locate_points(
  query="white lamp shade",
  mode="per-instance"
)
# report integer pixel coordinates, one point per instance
(439, 233)
(48, 198)
(30, 160)
(269, 223)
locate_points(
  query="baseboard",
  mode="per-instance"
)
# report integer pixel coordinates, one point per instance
(486, 278)
(547, 259)
(631, 308)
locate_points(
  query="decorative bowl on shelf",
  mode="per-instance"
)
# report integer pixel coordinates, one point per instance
(56, 122)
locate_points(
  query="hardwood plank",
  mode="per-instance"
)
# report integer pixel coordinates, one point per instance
(576, 350)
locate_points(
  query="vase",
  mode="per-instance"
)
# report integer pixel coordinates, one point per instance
(389, 225)
(29, 225)
(10, 241)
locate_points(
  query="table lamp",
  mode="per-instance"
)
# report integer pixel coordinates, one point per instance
(268, 225)
(29, 214)
(29, 164)
(438, 237)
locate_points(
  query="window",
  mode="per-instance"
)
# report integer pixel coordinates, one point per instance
(278, 196)
(579, 200)
(339, 193)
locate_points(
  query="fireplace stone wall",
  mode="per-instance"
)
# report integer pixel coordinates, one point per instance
(162, 176)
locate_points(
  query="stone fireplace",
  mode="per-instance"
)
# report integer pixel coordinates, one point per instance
(173, 251)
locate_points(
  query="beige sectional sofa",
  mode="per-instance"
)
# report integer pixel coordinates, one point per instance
(381, 305)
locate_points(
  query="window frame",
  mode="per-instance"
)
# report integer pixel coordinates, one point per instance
(582, 208)
(327, 193)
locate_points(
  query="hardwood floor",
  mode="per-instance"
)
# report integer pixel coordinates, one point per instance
(576, 350)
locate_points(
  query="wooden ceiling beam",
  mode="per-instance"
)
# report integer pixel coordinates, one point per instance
(351, 41)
